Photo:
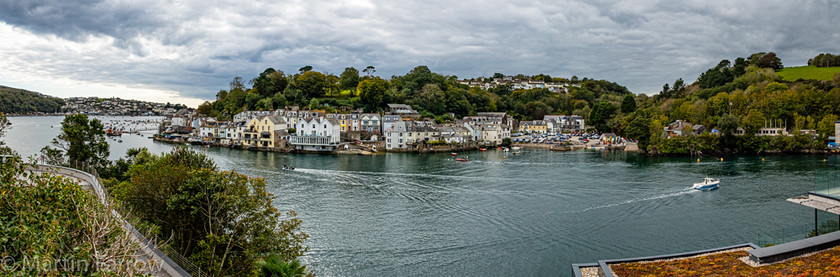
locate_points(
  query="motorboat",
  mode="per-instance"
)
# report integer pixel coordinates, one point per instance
(462, 160)
(516, 148)
(454, 154)
(288, 167)
(707, 184)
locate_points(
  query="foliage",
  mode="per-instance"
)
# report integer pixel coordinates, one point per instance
(628, 104)
(823, 263)
(3, 125)
(20, 101)
(371, 92)
(507, 142)
(601, 112)
(222, 221)
(82, 141)
(275, 266)
(53, 227)
(825, 60)
(349, 78)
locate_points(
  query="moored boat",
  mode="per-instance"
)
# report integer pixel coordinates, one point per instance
(707, 184)
(462, 160)
(454, 154)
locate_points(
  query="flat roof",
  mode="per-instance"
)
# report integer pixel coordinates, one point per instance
(818, 201)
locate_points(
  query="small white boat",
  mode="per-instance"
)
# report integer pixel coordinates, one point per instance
(516, 148)
(707, 184)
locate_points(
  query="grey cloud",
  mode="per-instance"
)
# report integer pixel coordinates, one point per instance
(640, 44)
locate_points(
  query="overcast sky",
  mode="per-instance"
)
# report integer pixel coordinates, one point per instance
(185, 51)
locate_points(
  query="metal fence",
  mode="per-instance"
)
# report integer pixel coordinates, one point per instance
(170, 252)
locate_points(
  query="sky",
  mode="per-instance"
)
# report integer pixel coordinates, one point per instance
(185, 51)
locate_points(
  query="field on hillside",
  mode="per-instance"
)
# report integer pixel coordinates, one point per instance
(808, 72)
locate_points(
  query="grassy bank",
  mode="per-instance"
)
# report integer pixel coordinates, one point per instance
(808, 73)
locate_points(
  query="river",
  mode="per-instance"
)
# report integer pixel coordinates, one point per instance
(532, 214)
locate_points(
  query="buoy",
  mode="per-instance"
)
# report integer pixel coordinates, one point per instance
(824, 160)
(698, 160)
(500, 160)
(504, 157)
(721, 159)
(762, 159)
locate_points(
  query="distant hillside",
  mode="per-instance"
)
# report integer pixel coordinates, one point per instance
(13, 100)
(808, 73)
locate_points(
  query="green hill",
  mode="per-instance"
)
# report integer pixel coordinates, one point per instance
(14, 100)
(808, 73)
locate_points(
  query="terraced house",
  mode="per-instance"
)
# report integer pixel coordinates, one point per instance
(316, 134)
(267, 131)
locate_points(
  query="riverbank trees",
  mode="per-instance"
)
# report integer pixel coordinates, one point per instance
(222, 221)
(747, 95)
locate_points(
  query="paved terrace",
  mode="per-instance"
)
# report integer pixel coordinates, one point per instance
(164, 265)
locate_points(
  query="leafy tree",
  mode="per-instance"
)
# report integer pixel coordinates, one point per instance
(349, 78)
(311, 84)
(205, 109)
(4, 123)
(369, 70)
(223, 222)
(275, 266)
(432, 99)
(236, 83)
(754, 121)
(601, 113)
(770, 60)
(507, 142)
(82, 141)
(728, 124)
(305, 69)
(628, 104)
(825, 127)
(639, 129)
(740, 66)
(371, 93)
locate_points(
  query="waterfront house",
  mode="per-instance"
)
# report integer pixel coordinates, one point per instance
(395, 135)
(260, 132)
(771, 132)
(316, 134)
(409, 135)
(388, 121)
(677, 128)
(178, 121)
(371, 123)
(564, 123)
(533, 126)
(698, 129)
(475, 131)
(494, 133)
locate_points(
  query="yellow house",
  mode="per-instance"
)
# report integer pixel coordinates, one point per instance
(264, 131)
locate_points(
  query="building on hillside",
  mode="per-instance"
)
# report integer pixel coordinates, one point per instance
(404, 111)
(494, 133)
(317, 134)
(388, 121)
(564, 123)
(677, 128)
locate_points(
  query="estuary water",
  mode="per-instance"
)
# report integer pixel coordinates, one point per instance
(532, 214)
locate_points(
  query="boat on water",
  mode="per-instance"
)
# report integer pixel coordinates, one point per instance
(288, 167)
(516, 148)
(462, 160)
(707, 184)
(454, 154)
(482, 149)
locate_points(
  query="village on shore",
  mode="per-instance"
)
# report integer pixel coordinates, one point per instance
(399, 129)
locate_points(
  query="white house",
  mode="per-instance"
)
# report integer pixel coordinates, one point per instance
(317, 134)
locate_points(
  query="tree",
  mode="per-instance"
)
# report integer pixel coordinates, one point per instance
(825, 127)
(371, 93)
(275, 266)
(305, 69)
(628, 104)
(236, 83)
(349, 78)
(205, 109)
(223, 222)
(639, 129)
(770, 61)
(4, 123)
(432, 99)
(728, 124)
(600, 114)
(82, 141)
(312, 84)
(369, 70)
